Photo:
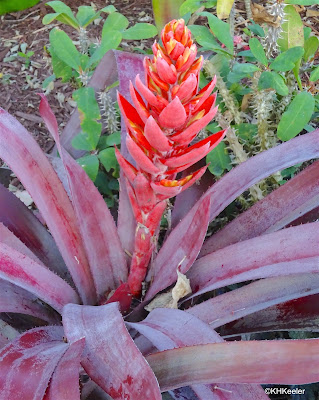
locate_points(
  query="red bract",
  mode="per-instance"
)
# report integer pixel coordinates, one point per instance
(159, 132)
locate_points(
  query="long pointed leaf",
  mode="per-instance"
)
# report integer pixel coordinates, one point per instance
(23, 223)
(99, 233)
(64, 384)
(239, 179)
(111, 358)
(24, 156)
(290, 251)
(299, 195)
(298, 314)
(17, 300)
(284, 362)
(38, 350)
(256, 296)
(180, 248)
(35, 278)
(168, 329)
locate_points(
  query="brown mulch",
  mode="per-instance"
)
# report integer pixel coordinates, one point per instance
(19, 84)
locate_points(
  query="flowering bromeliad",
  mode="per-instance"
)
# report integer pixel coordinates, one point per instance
(159, 132)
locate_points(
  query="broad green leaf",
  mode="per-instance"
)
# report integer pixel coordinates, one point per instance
(219, 160)
(274, 81)
(311, 46)
(140, 31)
(314, 75)
(90, 164)
(297, 115)
(256, 29)
(220, 29)
(306, 32)
(203, 36)
(60, 68)
(65, 13)
(108, 159)
(245, 68)
(114, 22)
(89, 114)
(223, 8)
(258, 51)
(287, 60)
(86, 15)
(303, 2)
(292, 34)
(113, 139)
(111, 40)
(108, 9)
(64, 48)
(189, 6)
(48, 18)
(8, 6)
(246, 132)
(82, 142)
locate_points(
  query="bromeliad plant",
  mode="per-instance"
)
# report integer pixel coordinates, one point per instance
(78, 264)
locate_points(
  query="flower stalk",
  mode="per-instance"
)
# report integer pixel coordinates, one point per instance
(160, 128)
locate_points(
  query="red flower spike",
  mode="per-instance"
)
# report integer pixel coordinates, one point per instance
(169, 112)
(165, 71)
(173, 115)
(155, 136)
(140, 157)
(128, 169)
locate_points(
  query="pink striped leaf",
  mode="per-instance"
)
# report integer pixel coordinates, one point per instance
(299, 195)
(298, 314)
(278, 361)
(64, 384)
(168, 329)
(21, 152)
(110, 358)
(254, 297)
(290, 251)
(39, 350)
(98, 230)
(180, 249)
(22, 271)
(25, 226)
(239, 179)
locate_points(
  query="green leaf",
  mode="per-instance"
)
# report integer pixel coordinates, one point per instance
(65, 13)
(306, 32)
(223, 8)
(274, 81)
(314, 75)
(8, 6)
(89, 114)
(220, 29)
(114, 22)
(247, 132)
(64, 48)
(256, 29)
(303, 2)
(60, 68)
(219, 160)
(287, 60)
(113, 139)
(203, 36)
(258, 51)
(245, 68)
(47, 19)
(297, 115)
(108, 159)
(90, 164)
(46, 83)
(292, 34)
(189, 6)
(311, 46)
(86, 15)
(111, 40)
(108, 9)
(140, 31)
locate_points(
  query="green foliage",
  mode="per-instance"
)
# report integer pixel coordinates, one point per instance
(272, 80)
(311, 46)
(258, 51)
(90, 164)
(314, 75)
(286, 61)
(8, 6)
(64, 48)
(190, 6)
(220, 29)
(218, 160)
(296, 117)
